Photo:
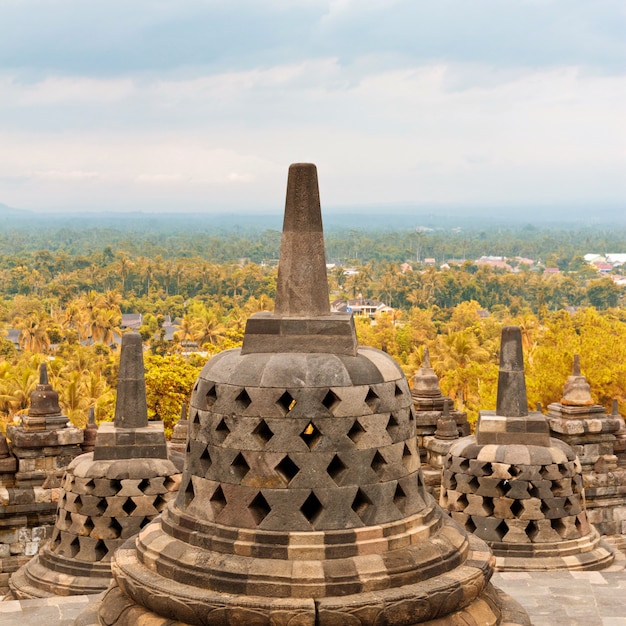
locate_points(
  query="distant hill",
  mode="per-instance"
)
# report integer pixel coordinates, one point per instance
(9, 210)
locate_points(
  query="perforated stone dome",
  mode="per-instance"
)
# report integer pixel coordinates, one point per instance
(314, 441)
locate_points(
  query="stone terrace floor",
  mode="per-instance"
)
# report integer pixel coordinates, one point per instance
(551, 599)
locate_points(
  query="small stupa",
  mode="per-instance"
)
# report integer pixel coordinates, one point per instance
(582, 423)
(517, 488)
(596, 437)
(302, 500)
(429, 403)
(107, 495)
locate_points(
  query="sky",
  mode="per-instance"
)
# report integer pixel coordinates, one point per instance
(201, 105)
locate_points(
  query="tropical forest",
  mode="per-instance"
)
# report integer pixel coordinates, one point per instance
(64, 291)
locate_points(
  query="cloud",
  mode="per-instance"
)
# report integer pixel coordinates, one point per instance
(116, 37)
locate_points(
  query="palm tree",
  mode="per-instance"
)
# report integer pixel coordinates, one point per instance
(33, 333)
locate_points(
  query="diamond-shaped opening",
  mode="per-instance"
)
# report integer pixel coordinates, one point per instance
(532, 530)
(188, 448)
(87, 527)
(218, 501)
(331, 400)
(577, 484)
(102, 506)
(473, 483)
(159, 503)
(378, 462)
(211, 395)
(469, 525)
(545, 509)
(534, 491)
(195, 387)
(129, 506)
(356, 432)
(397, 391)
(399, 497)
(411, 414)
(65, 519)
(78, 504)
(100, 550)
(449, 480)
(170, 484)
(89, 485)
(572, 506)
(564, 470)
(517, 507)
(504, 486)
(144, 522)
(393, 425)
(116, 485)
(195, 416)
(461, 503)
(287, 469)
(74, 547)
(286, 402)
(514, 470)
(243, 400)
(115, 526)
(259, 508)
(406, 453)
(488, 506)
(205, 461)
(487, 469)
(311, 508)
(239, 467)
(221, 430)
(188, 494)
(371, 399)
(361, 502)
(502, 529)
(310, 435)
(263, 432)
(558, 525)
(464, 465)
(336, 469)
(143, 485)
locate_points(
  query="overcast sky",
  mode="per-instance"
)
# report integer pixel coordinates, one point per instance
(202, 105)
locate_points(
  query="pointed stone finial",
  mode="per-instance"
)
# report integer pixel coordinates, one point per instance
(425, 381)
(576, 391)
(43, 374)
(183, 412)
(539, 408)
(131, 409)
(511, 400)
(426, 358)
(302, 285)
(91, 416)
(615, 407)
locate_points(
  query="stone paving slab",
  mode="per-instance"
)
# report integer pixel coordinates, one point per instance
(568, 598)
(551, 599)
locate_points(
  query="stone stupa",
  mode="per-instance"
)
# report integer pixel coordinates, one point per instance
(302, 500)
(429, 403)
(107, 495)
(517, 488)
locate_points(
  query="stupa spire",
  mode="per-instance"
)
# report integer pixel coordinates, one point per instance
(511, 400)
(302, 287)
(131, 409)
